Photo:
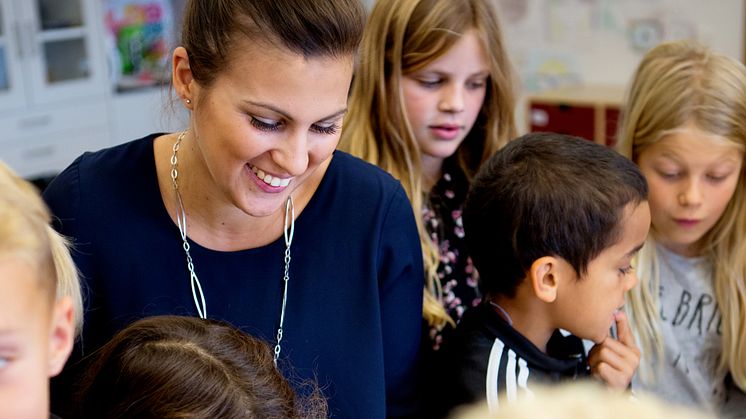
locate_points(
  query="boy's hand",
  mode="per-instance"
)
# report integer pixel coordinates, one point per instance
(615, 361)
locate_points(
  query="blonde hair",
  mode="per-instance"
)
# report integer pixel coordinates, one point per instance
(401, 37)
(682, 83)
(584, 400)
(25, 232)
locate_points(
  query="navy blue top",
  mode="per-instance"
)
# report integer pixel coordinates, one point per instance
(354, 305)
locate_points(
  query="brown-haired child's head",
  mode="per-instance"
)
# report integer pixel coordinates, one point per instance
(39, 300)
(176, 367)
(556, 220)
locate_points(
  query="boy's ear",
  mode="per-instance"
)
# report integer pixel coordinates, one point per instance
(183, 80)
(62, 335)
(544, 277)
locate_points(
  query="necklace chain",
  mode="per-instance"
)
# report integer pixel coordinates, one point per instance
(181, 222)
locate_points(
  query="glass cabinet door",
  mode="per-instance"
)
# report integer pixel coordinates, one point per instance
(11, 59)
(63, 43)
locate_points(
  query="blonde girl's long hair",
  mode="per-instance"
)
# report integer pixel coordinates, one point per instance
(678, 83)
(25, 232)
(401, 37)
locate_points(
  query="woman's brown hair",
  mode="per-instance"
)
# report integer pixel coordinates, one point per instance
(318, 28)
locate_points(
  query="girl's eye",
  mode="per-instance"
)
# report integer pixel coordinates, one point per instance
(430, 83)
(263, 125)
(4, 362)
(717, 178)
(627, 270)
(669, 175)
(476, 84)
(327, 130)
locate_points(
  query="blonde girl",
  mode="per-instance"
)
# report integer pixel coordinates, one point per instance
(40, 303)
(431, 100)
(22, 198)
(685, 126)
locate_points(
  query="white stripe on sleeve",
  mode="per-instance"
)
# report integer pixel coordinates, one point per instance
(523, 373)
(493, 367)
(511, 390)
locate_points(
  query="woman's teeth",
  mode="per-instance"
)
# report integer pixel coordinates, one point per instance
(268, 179)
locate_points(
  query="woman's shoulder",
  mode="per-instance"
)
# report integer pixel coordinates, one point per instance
(124, 164)
(355, 176)
(357, 166)
(101, 176)
(356, 191)
(131, 153)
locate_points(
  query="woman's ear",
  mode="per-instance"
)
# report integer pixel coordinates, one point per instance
(544, 276)
(183, 80)
(61, 335)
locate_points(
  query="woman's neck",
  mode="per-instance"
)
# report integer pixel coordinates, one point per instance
(212, 220)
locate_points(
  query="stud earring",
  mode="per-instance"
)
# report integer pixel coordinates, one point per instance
(189, 101)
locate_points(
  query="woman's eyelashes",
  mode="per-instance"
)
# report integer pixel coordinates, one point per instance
(263, 124)
(268, 125)
(325, 129)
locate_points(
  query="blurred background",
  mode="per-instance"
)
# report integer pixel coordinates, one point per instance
(80, 75)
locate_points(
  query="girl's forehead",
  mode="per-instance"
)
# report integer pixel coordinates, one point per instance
(694, 146)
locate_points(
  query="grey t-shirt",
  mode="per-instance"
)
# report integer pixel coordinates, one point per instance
(691, 327)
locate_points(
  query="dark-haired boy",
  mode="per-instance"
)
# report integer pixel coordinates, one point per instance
(552, 224)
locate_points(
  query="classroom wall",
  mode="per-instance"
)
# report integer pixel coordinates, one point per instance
(561, 42)
(558, 43)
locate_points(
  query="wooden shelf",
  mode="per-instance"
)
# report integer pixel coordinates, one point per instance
(588, 111)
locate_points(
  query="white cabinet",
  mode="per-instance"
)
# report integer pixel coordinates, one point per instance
(53, 83)
(11, 65)
(51, 52)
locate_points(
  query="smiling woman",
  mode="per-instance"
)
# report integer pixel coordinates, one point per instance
(245, 215)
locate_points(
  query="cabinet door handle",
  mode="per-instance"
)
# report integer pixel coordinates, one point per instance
(35, 121)
(31, 37)
(39, 152)
(19, 40)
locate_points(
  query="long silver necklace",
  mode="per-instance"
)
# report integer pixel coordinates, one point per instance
(181, 221)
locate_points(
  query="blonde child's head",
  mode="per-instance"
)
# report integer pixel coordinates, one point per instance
(404, 37)
(583, 400)
(681, 87)
(684, 124)
(40, 306)
(435, 83)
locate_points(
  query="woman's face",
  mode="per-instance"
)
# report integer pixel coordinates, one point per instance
(269, 122)
(442, 100)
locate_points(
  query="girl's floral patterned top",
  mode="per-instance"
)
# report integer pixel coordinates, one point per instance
(442, 219)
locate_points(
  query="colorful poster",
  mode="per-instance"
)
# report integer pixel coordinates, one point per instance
(140, 41)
